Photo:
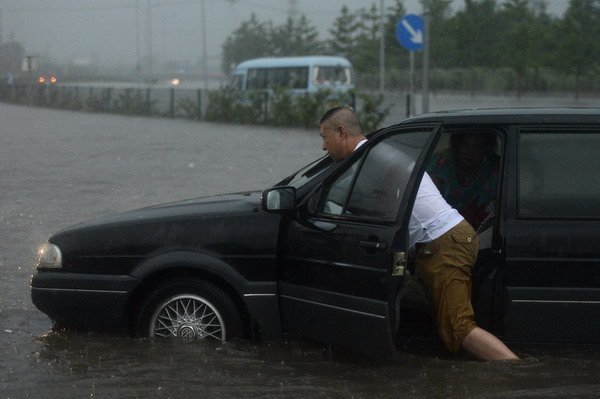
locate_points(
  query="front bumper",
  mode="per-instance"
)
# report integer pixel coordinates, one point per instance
(84, 301)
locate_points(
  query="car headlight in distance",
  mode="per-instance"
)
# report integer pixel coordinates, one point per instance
(50, 257)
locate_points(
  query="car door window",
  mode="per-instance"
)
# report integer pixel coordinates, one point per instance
(558, 174)
(372, 187)
(465, 167)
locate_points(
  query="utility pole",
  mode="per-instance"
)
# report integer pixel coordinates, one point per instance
(381, 47)
(28, 65)
(204, 52)
(293, 10)
(149, 40)
(234, 11)
(138, 65)
(426, 42)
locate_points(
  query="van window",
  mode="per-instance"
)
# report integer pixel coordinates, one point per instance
(332, 76)
(558, 174)
(273, 78)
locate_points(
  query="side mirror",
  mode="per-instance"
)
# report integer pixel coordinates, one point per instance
(279, 199)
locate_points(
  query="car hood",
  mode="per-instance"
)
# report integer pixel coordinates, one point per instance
(234, 203)
(231, 228)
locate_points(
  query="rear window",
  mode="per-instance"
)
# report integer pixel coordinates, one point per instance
(558, 174)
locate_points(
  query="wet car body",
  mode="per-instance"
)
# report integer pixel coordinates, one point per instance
(323, 254)
(111, 260)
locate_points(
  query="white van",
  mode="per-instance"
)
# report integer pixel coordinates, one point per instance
(300, 74)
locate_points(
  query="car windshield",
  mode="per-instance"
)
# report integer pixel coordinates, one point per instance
(332, 76)
(307, 173)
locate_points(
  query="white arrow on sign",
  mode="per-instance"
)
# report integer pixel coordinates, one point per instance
(416, 36)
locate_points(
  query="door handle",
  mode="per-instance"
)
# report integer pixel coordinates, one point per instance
(373, 245)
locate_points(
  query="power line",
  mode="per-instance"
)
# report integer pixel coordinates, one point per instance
(38, 10)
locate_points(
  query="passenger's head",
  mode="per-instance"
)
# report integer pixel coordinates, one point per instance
(471, 148)
(341, 131)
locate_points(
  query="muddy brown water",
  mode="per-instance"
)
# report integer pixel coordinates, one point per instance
(58, 168)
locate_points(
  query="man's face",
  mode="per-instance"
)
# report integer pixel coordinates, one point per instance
(333, 143)
(471, 151)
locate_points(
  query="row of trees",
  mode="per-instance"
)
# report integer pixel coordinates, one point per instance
(11, 53)
(516, 34)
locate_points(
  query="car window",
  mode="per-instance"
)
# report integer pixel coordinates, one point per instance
(372, 187)
(465, 167)
(558, 174)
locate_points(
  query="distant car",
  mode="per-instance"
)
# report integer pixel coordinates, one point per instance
(323, 254)
(47, 79)
(299, 75)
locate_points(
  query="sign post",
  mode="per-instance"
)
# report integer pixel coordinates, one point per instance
(409, 32)
(426, 56)
(28, 64)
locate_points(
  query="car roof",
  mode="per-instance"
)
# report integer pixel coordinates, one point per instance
(511, 116)
(272, 62)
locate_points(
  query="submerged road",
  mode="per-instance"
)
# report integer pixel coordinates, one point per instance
(58, 168)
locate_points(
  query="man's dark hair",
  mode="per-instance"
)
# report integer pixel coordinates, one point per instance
(342, 116)
(489, 140)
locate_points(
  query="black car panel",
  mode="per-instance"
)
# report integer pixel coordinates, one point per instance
(552, 265)
(323, 254)
(84, 300)
(344, 276)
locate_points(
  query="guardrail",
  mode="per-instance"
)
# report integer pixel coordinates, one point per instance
(279, 108)
(166, 102)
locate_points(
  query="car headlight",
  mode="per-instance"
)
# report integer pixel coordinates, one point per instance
(50, 257)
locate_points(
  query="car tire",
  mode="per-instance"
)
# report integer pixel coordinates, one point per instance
(189, 310)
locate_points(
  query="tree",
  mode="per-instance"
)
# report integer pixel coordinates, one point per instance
(577, 40)
(443, 53)
(395, 54)
(295, 37)
(518, 40)
(475, 31)
(366, 52)
(343, 34)
(250, 40)
(11, 54)
(255, 39)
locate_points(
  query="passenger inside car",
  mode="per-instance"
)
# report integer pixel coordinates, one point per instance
(466, 169)
(467, 172)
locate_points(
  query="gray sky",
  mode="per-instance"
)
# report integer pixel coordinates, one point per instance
(106, 29)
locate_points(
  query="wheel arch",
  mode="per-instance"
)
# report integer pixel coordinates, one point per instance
(188, 265)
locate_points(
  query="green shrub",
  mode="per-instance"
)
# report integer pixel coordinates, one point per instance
(132, 102)
(312, 105)
(278, 108)
(66, 99)
(282, 111)
(187, 108)
(97, 102)
(372, 113)
(229, 106)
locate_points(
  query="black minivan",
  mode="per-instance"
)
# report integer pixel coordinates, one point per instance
(323, 254)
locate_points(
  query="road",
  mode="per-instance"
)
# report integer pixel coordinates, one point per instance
(58, 168)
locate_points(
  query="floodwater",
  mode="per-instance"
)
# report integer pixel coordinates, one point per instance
(58, 168)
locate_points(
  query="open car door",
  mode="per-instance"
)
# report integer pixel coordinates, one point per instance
(343, 258)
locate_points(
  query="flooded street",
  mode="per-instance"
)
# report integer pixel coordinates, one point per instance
(59, 168)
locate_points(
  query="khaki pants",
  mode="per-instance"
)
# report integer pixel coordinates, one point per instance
(444, 267)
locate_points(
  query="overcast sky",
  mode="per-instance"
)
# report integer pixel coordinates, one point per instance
(106, 29)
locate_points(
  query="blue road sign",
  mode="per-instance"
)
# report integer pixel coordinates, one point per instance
(410, 32)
